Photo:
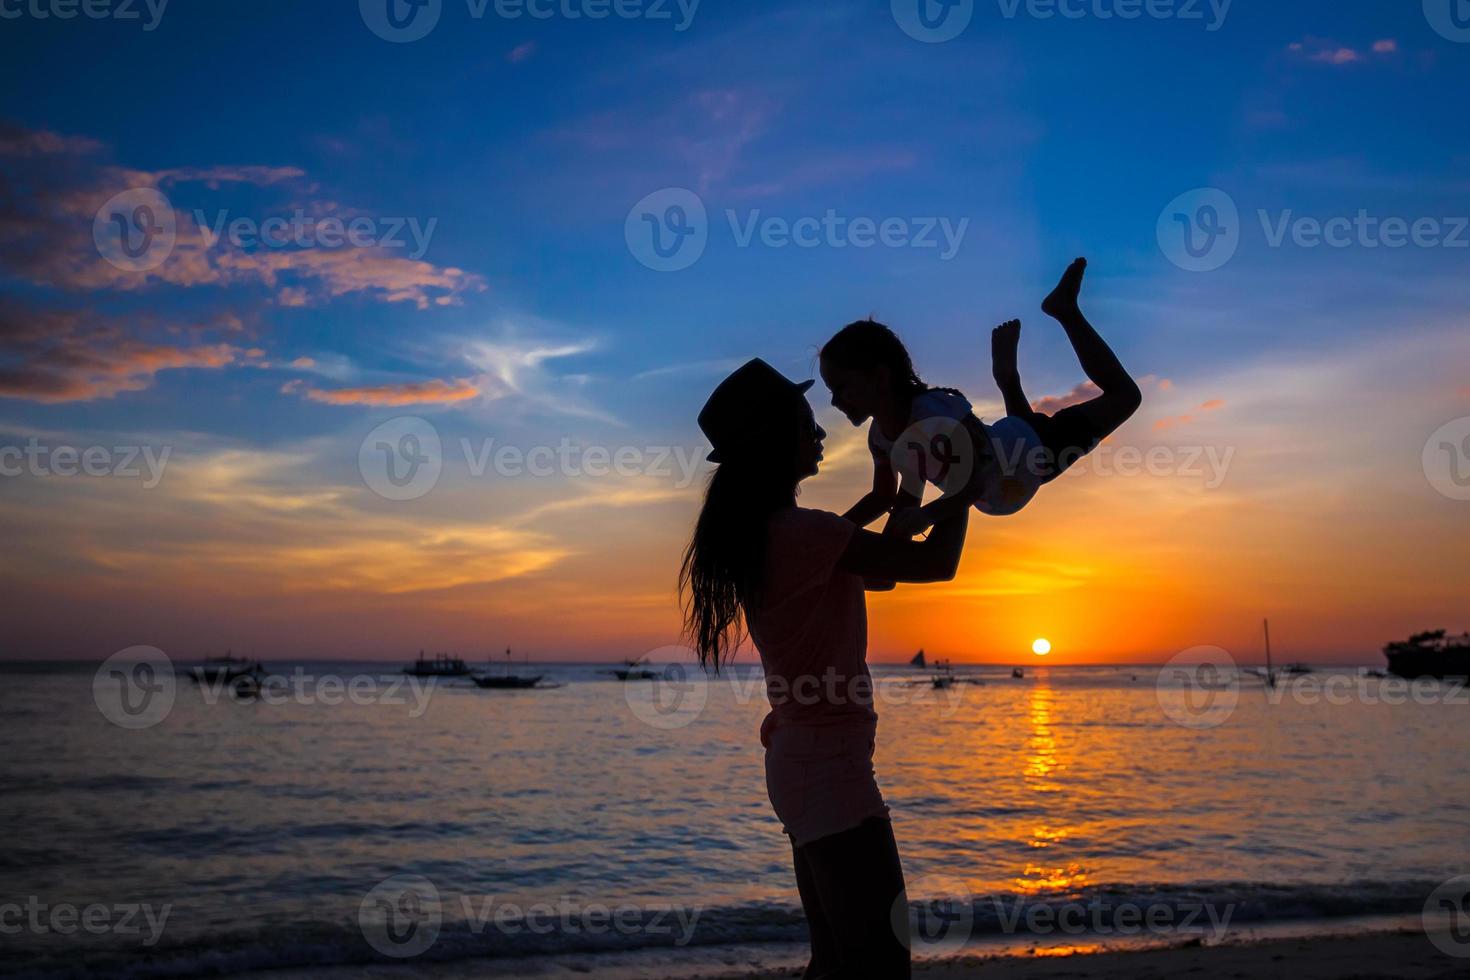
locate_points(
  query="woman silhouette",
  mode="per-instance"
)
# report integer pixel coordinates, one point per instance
(794, 578)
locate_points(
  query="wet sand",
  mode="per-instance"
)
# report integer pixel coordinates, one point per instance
(1407, 954)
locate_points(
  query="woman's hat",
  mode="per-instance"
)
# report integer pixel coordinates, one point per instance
(747, 408)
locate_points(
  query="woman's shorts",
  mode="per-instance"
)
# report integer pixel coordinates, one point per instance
(821, 780)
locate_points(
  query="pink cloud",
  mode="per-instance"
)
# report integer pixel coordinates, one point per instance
(1386, 46)
(521, 52)
(1174, 421)
(1326, 52)
(434, 392)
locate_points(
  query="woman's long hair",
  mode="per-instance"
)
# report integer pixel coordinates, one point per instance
(721, 577)
(863, 345)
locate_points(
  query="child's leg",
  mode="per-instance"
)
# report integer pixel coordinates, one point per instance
(1075, 431)
(1004, 340)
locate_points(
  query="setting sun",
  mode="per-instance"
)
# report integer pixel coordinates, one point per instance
(1041, 647)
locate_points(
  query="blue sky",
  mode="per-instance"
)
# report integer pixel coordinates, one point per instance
(528, 318)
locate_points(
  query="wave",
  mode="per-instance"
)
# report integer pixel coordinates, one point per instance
(1119, 910)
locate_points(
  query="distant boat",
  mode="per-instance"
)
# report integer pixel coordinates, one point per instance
(1296, 670)
(241, 673)
(1431, 654)
(443, 665)
(633, 670)
(505, 680)
(918, 660)
(943, 678)
(1018, 674)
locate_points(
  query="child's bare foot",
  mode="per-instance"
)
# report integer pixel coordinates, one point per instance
(1062, 303)
(1004, 340)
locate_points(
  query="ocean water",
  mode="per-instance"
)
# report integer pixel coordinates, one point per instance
(349, 819)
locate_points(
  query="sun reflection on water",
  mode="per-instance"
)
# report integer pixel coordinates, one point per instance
(1043, 766)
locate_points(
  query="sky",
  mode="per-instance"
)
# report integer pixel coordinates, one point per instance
(348, 329)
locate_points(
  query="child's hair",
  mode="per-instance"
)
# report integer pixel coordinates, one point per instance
(864, 344)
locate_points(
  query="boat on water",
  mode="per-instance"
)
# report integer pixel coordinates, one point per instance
(1430, 654)
(505, 679)
(240, 672)
(634, 670)
(943, 678)
(918, 660)
(1018, 674)
(441, 665)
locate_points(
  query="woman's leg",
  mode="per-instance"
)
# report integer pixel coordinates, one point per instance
(1076, 430)
(824, 962)
(859, 881)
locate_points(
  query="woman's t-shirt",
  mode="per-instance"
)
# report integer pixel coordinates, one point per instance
(810, 625)
(936, 448)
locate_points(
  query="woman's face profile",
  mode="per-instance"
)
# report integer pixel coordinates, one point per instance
(809, 438)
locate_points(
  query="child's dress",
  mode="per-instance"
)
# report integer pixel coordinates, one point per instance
(936, 448)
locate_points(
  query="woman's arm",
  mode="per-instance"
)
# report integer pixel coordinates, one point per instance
(879, 500)
(892, 558)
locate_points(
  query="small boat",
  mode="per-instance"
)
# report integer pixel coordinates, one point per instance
(634, 670)
(239, 672)
(1431, 654)
(1018, 674)
(1296, 670)
(505, 680)
(943, 678)
(918, 660)
(442, 665)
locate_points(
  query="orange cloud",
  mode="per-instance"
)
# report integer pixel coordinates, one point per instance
(435, 392)
(68, 357)
(1170, 422)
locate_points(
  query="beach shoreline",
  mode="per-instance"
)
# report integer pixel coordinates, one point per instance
(1401, 953)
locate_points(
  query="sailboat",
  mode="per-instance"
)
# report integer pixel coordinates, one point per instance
(634, 670)
(918, 660)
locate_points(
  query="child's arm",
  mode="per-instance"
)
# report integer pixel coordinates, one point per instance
(879, 500)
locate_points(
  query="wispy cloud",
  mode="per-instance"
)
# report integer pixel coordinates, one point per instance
(434, 392)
